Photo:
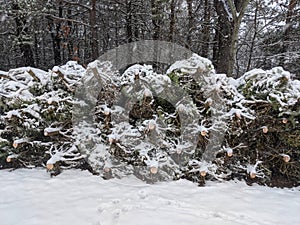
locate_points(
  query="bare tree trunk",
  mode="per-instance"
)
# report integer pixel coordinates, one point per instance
(156, 17)
(253, 38)
(206, 28)
(190, 23)
(222, 56)
(288, 26)
(68, 36)
(172, 20)
(136, 29)
(36, 51)
(227, 33)
(94, 32)
(23, 34)
(55, 31)
(129, 31)
(291, 11)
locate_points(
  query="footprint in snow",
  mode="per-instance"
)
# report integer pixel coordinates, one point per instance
(117, 213)
(116, 201)
(142, 194)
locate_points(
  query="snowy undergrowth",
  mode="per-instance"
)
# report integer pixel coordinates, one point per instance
(30, 197)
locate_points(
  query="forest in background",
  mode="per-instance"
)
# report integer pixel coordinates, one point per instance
(236, 35)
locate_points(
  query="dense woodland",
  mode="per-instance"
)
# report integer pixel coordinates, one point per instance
(236, 35)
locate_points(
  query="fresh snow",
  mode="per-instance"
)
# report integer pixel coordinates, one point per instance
(191, 65)
(31, 197)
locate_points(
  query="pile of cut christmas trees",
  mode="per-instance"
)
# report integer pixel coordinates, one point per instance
(188, 123)
(271, 139)
(35, 124)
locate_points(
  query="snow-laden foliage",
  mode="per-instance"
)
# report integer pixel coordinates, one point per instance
(194, 123)
(149, 124)
(36, 116)
(188, 123)
(269, 140)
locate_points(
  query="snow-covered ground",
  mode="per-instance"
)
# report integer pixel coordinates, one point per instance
(31, 197)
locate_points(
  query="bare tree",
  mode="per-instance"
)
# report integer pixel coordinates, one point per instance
(206, 28)
(94, 30)
(190, 22)
(156, 10)
(230, 16)
(172, 20)
(22, 33)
